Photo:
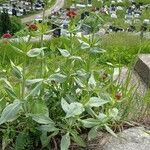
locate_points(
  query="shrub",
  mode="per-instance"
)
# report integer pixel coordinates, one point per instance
(5, 23)
(16, 24)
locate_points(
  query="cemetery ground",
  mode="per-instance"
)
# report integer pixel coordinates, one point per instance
(69, 91)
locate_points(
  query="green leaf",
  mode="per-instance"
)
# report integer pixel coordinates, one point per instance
(81, 73)
(78, 140)
(90, 122)
(79, 82)
(92, 82)
(64, 52)
(17, 71)
(96, 102)
(97, 50)
(17, 49)
(35, 52)
(22, 141)
(84, 45)
(75, 109)
(65, 142)
(93, 133)
(108, 129)
(44, 139)
(6, 82)
(10, 92)
(113, 113)
(105, 96)
(65, 106)
(72, 109)
(101, 116)
(35, 90)
(39, 107)
(2, 104)
(57, 78)
(10, 113)
(48, 128)
(33, 81)
(75, 58)
(41, 119)
(9, 89)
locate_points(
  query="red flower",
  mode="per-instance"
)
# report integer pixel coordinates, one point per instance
(33, 27)
(71, 14)
(118, 95)
(7, 35)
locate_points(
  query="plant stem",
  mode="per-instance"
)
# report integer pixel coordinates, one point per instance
(23, 80)
(42, 54)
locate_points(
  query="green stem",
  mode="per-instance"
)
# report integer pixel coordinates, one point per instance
(23, 80)
(42, 54)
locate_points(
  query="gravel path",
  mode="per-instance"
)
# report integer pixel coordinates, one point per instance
(59, 4)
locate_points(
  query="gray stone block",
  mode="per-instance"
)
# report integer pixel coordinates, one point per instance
(142, 67)
(131, 139)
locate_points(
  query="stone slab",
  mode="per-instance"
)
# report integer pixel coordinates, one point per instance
(142, 67)
(135, 138)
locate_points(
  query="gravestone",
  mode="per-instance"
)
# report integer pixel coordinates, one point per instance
(56, 31)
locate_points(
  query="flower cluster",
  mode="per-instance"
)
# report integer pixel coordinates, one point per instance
(7, 35)
(33, 27)
(71, 14)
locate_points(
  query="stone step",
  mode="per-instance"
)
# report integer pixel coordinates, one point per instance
(142, 67)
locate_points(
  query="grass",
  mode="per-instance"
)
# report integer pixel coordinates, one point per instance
(123, 47)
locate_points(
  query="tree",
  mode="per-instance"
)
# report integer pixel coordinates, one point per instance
(5, 23)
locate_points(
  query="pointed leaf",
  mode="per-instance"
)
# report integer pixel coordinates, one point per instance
(108, 129)
(65, 142)
(10, 92)
(92, 82)
(75, 109)
(17, 71)
(90, 122)
(65, 106)
(35, 52)
(76, 58)
(84, 45)
(17, 49)
(57, 78)
(76, 138)
(41, 119)
(64, 52)
(10, 112)
(93, 133)
(34, 91)
(101, 116)
(47, 128)
(33, 81)
(96, 102)
(113, 113)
